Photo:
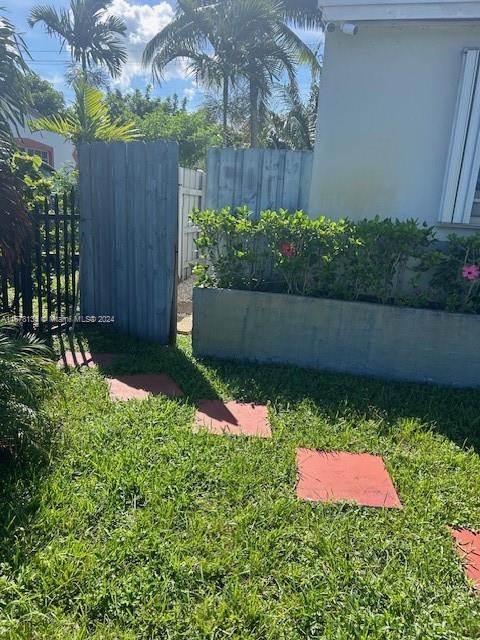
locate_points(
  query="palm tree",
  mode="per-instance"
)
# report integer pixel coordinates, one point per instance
(295, 126)
(227, 40)
(304, 14)
(88, 121)
(198, 26)
(92, 35)
(271, 51)
(14, 222)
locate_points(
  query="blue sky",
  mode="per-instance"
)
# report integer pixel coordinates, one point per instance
(143, 19)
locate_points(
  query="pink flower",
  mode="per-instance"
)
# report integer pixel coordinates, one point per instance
(288, 250)
(471, 272)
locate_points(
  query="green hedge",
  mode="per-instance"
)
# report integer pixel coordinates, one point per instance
(386, 261)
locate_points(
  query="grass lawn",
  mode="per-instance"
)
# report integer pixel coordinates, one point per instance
(138, 528)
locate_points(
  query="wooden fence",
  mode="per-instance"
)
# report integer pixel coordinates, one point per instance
(129, 229)
(191, 195)
(259, 178)
(42, 290)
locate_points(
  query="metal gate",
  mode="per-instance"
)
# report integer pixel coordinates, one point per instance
(41, 291)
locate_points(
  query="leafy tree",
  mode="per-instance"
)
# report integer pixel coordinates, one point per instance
(193, 131)
(238, 121)
(93, 36)
(36, 182)
(14, 222)
(126, 105)
(65, 179)
(43, 97)
(89, 120)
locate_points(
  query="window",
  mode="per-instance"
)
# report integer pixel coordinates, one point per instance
(461, 192)
(44, 155)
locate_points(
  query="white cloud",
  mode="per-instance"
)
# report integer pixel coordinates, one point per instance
(143, 22)
(190, 93)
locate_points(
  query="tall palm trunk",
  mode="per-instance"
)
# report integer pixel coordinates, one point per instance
(225, 110)
(253, 113)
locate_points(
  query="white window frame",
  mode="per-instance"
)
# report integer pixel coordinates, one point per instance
(463, 164)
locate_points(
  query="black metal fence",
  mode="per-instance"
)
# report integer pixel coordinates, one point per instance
(42, 291)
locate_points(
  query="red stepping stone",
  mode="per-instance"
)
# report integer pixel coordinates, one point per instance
(140, 386)
(468, 548)
(76, 359)
(338, 476)
(233, 418)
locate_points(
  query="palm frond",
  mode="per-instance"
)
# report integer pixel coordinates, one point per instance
(89, 121)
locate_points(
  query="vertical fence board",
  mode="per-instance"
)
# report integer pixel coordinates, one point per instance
(258, 178)
(131, 226)
(307, 166)
(119, 235)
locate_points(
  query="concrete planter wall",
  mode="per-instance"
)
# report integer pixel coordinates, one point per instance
(354, 337)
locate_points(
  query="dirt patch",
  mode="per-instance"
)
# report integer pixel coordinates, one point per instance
(184, 298)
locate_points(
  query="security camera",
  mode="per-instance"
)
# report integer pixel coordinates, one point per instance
(330, 27)
(349, 28)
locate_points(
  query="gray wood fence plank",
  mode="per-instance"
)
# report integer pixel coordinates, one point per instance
(250, 166)
(86, 239)
(120, 222)
(258, 178)
(129, 201)
(171, 215)
(140, 160)
(307, 166)
(292, 181)
(213, 165)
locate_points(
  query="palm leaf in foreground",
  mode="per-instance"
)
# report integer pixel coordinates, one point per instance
(27, 375)
(88, 121)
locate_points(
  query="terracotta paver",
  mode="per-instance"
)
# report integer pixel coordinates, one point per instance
(85, 359)
(468, 548)
(140, 386)
(340, 476)
(233, 418)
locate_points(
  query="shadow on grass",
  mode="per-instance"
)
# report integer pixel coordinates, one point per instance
(454, 413)
(134, 356)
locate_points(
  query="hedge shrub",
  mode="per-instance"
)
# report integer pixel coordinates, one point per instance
(385, 261)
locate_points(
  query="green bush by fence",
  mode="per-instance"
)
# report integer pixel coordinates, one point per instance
(385, 261)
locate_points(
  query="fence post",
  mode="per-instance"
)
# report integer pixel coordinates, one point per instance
(27, 291)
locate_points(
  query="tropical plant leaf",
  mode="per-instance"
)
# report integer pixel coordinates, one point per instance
(89, 121)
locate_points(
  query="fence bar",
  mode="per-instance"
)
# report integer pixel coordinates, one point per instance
(72, 248)
(38, 265)
(57, 259)
(66, 256)
(27, 292)
(47, 265)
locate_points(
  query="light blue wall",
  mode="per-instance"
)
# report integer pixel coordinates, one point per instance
(386, 109)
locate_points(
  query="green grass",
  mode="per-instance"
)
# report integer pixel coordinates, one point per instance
(138, 528)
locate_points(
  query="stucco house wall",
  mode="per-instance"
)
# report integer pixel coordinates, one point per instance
(386, 111)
